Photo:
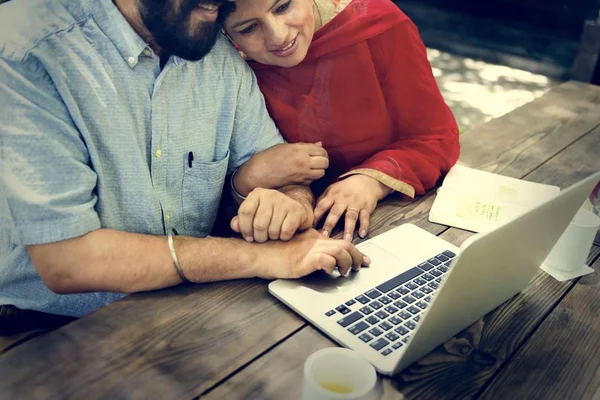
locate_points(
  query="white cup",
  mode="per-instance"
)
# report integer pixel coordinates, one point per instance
(572, 249)
(336, 373)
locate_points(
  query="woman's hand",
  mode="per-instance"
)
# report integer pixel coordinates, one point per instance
(356, 197)
(281, 165)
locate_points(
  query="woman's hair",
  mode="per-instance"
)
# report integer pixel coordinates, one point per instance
(224, 11)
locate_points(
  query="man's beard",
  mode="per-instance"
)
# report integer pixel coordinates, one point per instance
(170, 28)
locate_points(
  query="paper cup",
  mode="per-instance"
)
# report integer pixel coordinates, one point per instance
(337, 373)
(572, 249)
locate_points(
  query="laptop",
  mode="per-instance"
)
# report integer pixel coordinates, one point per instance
(421, 290)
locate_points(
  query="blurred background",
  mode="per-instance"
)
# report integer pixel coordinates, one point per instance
(491, 56)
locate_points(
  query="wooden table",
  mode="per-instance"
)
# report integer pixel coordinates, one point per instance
(232, 340)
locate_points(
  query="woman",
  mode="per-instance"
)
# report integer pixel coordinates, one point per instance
(354, 75)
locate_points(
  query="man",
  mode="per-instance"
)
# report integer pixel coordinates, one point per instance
(118, 125)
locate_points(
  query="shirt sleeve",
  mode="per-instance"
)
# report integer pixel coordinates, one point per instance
(427, 144)
(253, 129)
(45, 169)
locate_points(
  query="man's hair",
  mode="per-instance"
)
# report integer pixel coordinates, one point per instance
(224, 11)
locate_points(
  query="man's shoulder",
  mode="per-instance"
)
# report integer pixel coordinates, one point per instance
(25, 23)
(225, 57)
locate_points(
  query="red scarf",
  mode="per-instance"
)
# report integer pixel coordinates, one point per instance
(366, 90)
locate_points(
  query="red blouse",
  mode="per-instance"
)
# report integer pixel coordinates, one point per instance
(366, 90)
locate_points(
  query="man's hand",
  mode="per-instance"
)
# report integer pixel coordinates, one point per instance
(281, 165)
(306, 253)
(357, 197)
(270, 214)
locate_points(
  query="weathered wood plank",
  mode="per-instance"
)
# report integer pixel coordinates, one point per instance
(182, 341)
(562, 358)
(533, 133)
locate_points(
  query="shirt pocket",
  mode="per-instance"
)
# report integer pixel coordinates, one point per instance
(201, 194)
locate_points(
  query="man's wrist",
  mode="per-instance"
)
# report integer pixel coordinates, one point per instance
(241, 180)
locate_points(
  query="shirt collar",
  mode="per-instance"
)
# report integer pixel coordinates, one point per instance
(114, 25)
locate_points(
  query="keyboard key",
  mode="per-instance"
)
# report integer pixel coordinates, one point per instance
(442, 257)
(397, 345)
(403, 290)
(375, 305)
(426, 290)
(417, 294)
(435, 272)
(349, 319)
(400, 304)
(409, 299)
(422, 305)
(376, 332)
(373, 294)
(420, 281)
(366, 310)
(433, 285)
(412, 285)
(350, 302)
(425, 266)
(395, 320)
(417, 318)
(392, 336)
(386, 352)
(427, 298)
(442, 268)
(401, 330)
(365, 337)
(394, 295)
(391, 309)
(372, 320)
(429, 277)
(363, 299)
(358, 328)
(343, 309)
(386, 326)
(449, 254)
(410, 325)
(379, 344)
(405, 339)
(330, 313)
(400, 279)
(438, 280)
(385, 300)
(405, 315)
(413, 310)
(382, 314)
(434, 261)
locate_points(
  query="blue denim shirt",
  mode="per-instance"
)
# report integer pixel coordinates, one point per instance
(94, 134)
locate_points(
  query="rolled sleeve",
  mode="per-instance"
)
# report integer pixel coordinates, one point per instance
(45, 169)
(254, 130)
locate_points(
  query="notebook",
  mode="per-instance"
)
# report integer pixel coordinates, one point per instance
(478, 201)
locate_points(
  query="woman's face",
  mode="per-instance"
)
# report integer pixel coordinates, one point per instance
(272, 32)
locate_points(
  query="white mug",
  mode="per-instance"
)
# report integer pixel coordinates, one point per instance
(336, 373)
(572, 249)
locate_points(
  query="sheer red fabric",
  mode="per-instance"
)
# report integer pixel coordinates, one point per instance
(366, 90)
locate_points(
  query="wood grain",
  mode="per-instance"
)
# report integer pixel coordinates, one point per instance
(181, 342)
(562, 358)
(168, 344)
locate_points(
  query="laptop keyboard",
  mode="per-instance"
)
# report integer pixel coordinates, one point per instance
(385, 316)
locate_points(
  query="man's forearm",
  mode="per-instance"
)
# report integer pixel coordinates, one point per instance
(303, 195)
(113, 261)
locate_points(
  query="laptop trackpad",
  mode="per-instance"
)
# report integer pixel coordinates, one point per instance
(384, 265)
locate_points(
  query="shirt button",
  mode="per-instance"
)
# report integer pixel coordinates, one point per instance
(168, 218)
(147, 52)
(131, 60)
(158, 153)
